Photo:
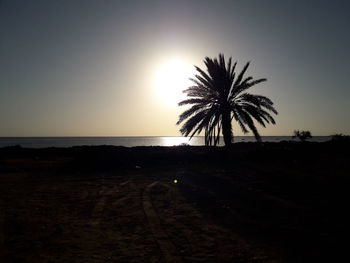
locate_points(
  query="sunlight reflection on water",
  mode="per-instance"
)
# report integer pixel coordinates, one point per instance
(171, 141)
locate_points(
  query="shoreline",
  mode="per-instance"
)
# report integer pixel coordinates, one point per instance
(44, 142)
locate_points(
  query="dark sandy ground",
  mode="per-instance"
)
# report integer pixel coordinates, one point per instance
(283, 202)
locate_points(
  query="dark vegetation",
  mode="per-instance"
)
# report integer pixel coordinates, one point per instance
(291, 197)
(302, 135)
(341, 138)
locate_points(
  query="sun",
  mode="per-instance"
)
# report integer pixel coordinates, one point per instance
(170, 79)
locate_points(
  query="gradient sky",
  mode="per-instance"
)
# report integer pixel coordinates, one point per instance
(86, 68)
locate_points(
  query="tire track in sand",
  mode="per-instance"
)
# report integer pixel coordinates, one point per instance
(167, 248)
(99, 207)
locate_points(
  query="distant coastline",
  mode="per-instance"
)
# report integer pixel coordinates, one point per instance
(44, 142)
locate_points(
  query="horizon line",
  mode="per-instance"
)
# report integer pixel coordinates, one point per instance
(131, 136)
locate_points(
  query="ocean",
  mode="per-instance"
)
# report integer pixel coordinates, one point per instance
(43, 142)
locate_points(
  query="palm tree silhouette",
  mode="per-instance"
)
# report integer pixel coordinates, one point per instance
(218, 97)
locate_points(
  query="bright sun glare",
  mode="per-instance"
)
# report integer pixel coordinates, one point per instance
(171, 78)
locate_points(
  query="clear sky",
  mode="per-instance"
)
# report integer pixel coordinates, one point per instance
(106, 68)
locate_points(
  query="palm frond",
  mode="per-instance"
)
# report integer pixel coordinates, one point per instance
(240, 76)
(250, 123)
(192, 101)
(191, 111)
(192, 122)
(204, 76)
(236, 116)
(244, 86)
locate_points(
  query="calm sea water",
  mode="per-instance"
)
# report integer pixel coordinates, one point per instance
(42, 142)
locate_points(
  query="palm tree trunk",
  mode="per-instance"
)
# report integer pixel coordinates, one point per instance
(227, 128)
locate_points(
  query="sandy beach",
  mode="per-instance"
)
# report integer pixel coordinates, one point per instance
(276, 202)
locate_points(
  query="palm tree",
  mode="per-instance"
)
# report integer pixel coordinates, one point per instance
(218, 97)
